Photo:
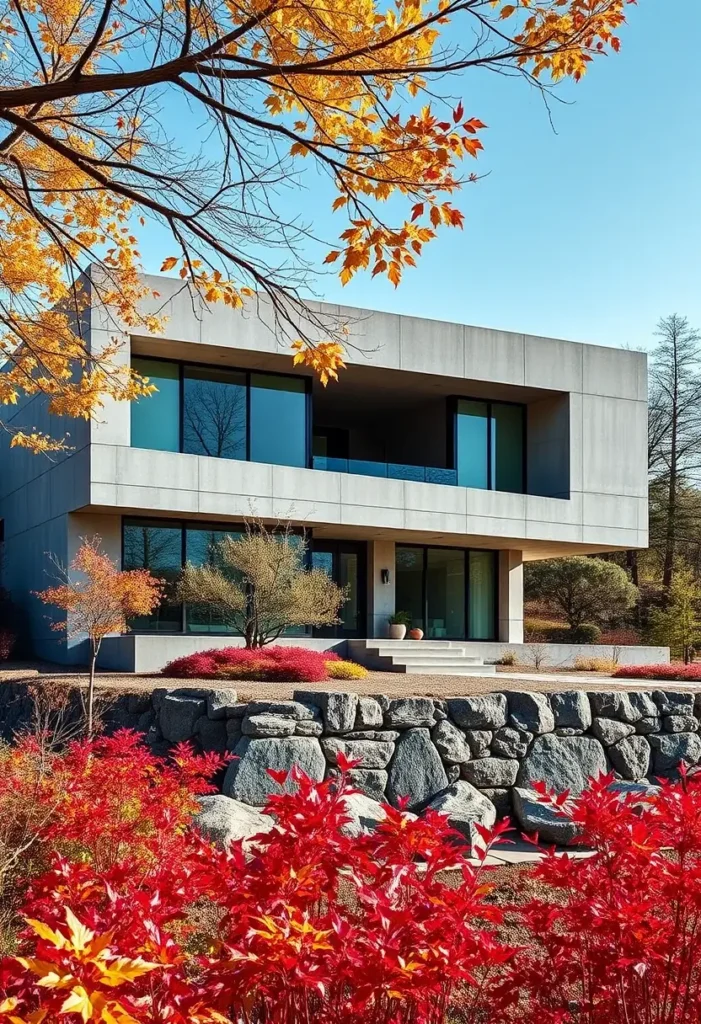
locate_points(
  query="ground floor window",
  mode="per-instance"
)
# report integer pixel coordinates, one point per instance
(164, 546)
(450, 593)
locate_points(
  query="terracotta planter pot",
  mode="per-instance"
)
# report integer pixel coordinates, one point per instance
(416, 634)
(397, 631)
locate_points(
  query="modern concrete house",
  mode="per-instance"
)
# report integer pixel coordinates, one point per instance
(445, 458)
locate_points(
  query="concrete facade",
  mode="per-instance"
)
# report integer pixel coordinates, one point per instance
(586, 441)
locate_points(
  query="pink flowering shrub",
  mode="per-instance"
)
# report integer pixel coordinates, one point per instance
(266, 664)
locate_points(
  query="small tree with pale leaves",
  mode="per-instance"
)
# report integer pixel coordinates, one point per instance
(260, 586)
(100, 599)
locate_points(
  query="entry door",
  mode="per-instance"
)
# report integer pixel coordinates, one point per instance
(345, 563)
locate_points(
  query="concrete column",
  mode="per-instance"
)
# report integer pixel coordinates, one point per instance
(380, 595)
(511, 597)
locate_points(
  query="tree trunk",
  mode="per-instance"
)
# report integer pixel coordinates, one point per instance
(95, 647)
(670, 531)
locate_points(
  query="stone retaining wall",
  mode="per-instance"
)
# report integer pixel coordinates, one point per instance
(469, 756)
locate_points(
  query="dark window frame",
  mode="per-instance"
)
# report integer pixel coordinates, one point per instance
(466, 558)
(247, 372)
(452, 435)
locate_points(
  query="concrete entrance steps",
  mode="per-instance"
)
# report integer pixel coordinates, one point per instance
(420, 657)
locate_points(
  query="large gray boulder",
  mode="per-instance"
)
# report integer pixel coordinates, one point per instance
(368, 714)
(484, 712)
(410, 712)
(247, 779)
(680, 723)
(450, 743)
(283, 709)
(533, 817)
(562, 762)
(614, 704)
(338, 707)
(491, 772)
(223, 820)
(571, 709)
(647, 725)
(267, 725)
(464, 805)
(669, 749)
(416, 770)
(370, 781)
(479, 741)
(510, 742)
(178, 713)
(631, 757)
(609, 731)
(218, 703)
(530, 712)
(370, 753)
(670, 702)
(364, 812)
(643, 703)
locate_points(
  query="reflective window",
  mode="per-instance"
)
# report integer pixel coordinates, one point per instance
(158, 548)
(472, 443)
(490, 445)
(445, 593)
(507, 447)
(409, 583)
(482, 605)
(155, 420)
(202, 548)
(214, 412)
(278, 426)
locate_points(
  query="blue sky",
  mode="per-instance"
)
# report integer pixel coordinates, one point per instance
(590, 231)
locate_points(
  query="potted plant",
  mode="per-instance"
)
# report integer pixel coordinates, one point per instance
(398, 624)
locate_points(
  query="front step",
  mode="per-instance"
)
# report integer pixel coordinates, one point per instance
(421, 657)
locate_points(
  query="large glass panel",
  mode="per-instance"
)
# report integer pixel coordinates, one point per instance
(278, 425)
(214, 412)
(348, 577)
(445, 593)
(482, 598)
(155, 421)
(158, 548)
(507, 447)
(409, 583)
(471, 443)
(202, 548)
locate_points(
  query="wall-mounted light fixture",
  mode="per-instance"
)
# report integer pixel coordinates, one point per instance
(384, 575)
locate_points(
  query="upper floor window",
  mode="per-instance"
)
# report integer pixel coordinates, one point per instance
(227, 414)
(490, 445)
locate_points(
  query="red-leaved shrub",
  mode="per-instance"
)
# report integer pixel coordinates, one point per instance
(676, 671)
(616, 938)
(267, 664)
(620, 637)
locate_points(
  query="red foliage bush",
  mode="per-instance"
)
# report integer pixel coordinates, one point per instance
(616, 938)
(267, 664)
(676, 671)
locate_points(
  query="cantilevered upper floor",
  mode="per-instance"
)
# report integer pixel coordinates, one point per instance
(436, 431)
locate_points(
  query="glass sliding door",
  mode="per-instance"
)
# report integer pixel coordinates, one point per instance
(490, 445)
(507, 448)
(451, 590)
(409, 584)
(344, 562)
(472, 440)
(445, 593)
(155, 420)
(278, 427)
(214, 412)
(483, 589)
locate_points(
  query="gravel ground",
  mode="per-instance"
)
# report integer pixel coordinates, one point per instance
(393, 684)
